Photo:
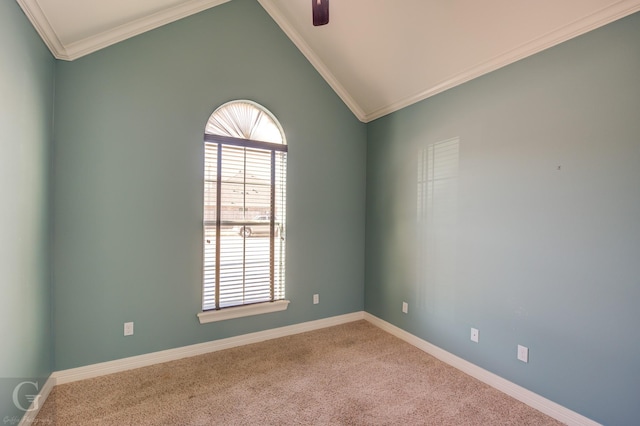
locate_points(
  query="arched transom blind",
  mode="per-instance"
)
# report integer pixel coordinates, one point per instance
(244, 120)
(244, 207)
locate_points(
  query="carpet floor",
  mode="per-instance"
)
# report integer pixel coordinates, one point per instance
(351, 374)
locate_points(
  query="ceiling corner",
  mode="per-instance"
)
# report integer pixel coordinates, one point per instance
(34, 13)
(95, 42)
(315, 61)
(377, 60)
(598, 18)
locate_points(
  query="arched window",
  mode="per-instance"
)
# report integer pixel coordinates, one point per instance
(245, 166)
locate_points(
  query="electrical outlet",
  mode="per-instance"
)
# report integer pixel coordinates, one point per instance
(128, 328)
(405, 307)
(523, 353)
(316, 299)
(475, 335)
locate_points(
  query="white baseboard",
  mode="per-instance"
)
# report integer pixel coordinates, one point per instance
(29, 417)
(124, 364)
(532, 399)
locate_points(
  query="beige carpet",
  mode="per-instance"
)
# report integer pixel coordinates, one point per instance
(352, 374)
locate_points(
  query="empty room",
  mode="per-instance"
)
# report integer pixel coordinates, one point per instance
(290, 212)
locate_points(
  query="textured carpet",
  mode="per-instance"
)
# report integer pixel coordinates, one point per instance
(352, 374)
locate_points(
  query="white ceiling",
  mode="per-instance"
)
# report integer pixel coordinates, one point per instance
(378, 55)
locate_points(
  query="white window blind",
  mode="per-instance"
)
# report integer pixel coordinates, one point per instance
(244, 217)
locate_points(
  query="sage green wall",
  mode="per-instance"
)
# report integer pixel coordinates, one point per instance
(527, 253)
(128, 183)
(26, 112)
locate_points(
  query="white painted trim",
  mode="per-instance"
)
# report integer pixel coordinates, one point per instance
(100, 41)
(38, 19)
(124, 364)
(317, 63)
(91, 44)
(581, 26)
(532, 399)
(30, 416)
(242, 311)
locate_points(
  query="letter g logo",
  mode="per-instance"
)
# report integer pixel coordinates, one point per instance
(30, 398)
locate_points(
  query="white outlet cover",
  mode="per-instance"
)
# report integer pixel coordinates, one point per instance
(128, 328)
(475, 335)
(405, 307)
(523, 353)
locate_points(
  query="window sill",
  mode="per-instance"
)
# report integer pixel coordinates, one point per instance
(242, 311)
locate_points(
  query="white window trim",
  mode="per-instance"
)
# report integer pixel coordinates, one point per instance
(242, 311)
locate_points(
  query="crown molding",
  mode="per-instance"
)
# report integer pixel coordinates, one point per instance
(36, 16)
(317, 63)
(99, 41)
(574, 29)
(89, 45)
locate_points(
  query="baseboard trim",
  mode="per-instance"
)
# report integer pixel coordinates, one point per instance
(124, 364)
(29, 417)
(524, 395)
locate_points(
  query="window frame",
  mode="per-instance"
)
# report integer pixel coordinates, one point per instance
(219, 313)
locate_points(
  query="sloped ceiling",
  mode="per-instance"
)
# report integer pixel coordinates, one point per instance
(378, 55)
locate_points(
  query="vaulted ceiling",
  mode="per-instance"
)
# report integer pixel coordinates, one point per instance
(378, 55)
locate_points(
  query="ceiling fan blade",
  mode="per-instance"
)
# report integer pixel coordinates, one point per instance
(320, 12)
